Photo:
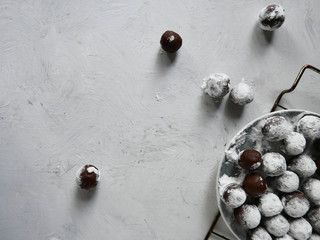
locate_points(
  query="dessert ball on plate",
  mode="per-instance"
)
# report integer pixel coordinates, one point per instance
(303, 165)
(217, 85)
(271, 17)
(300, 229)
(254, 184)
(250, 159)
(273, 164)
(170, 41)
(242, 94)
(295, 204)
(314, 237)
(287, 182)
(294, 144)
(285, 237)
(234, 196)
(247, 216)
(314, 219)
(88, 177)
(259, 234)
(312, 189)
(270, 205)
(278, 225)
(276, 128)
(309, 126)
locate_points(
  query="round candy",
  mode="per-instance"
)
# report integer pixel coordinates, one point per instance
(314, 219)
(312, 189)
(250, 160)
(270, 205)
(242, 94)
(300, 229)
(254, 184)
(303, 165)
(285, 237)
(234, 196)
(295, 204)
(170, 41)
(247, 216)
(217, 85)
(287, 182)
(314, 237)
(273, 164)
(294, 144)
(276, 128)
(88, 177)
(271, 17)
(278, 225)
(260, 234)
(309, 126)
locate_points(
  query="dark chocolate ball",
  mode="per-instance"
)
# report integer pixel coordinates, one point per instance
(250, 160)
(171, 41)
(254, 184)
(88, 177)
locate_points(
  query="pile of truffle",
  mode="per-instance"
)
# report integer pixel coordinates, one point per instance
(279, 197)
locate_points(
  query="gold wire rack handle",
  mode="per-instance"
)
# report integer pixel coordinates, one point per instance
(275, 105)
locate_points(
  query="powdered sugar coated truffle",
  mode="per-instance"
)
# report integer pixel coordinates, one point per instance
(300, 229)
(242, 94)
(287, 182)
(309, 126)
(248, 216)
(88, 177)
(285, 237)
(303, 165)
(278, 225)
(273, 164)
(295, 204)
(270, 205)
(314, 237)
(314, 219)
(260, 234)
(217, 85)
(276, 128)
(312, 189)
(271, 17)
(294, 144)
(234, 196)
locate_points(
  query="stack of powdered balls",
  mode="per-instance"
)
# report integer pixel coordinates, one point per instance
(279, 197)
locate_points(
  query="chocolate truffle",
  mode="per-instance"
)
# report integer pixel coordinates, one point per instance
(295, 204)
(234, 196)
(314, 219)
(271, 17)
(273, 164)
(294, 144)
(247, 216)
(259, 234)
(217, 85)
(309, 126)
(170, 41)
(242, 94)
(250, 160)
(300, 229)
(314, 237)
(287, 182)
(312, 189)
(278, 225)
(254, 184)
(88, 177)
(276, 128)
(285, 237)
(270, 205)
(302, 165)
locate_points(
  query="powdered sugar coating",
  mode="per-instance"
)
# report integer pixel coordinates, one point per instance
(300, 229)
(271, 17)
(285, 237)
(295, 204)
(273, 164)
(309, 126)
(242, 94)
(217, 85)
(276, 128)
(234, 196)
(249, 216)
(270, 205)
(287, 182)
(314, 237)
(89, 170)
(314, 219)
(312, 189)
(260, 234)
(294, 144)
(303, 165)
(278, 225)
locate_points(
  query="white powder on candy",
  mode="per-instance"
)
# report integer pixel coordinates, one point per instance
(303, 165)
(250, 217)
(225, 180)
(295, 206)
(300, 229)
(314, 237)
(312, 189)
(217, 85)
(285, 237)
(309, 126)
(276, 128)
(277, 13)
(277, 226)
(287, 182)
(294, 144)
(242, 94)
(260, 234)
(270, 205)
(273, 164)
(236, 196)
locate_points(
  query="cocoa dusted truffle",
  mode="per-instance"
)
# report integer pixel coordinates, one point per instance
(300, 229)
(254, 184)
(170, 41)
(250, 160)
(314, 219)
(248, 216)
(88, 177)
(295, 204)
(276, 128)
(234, 196)
(271, 17)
